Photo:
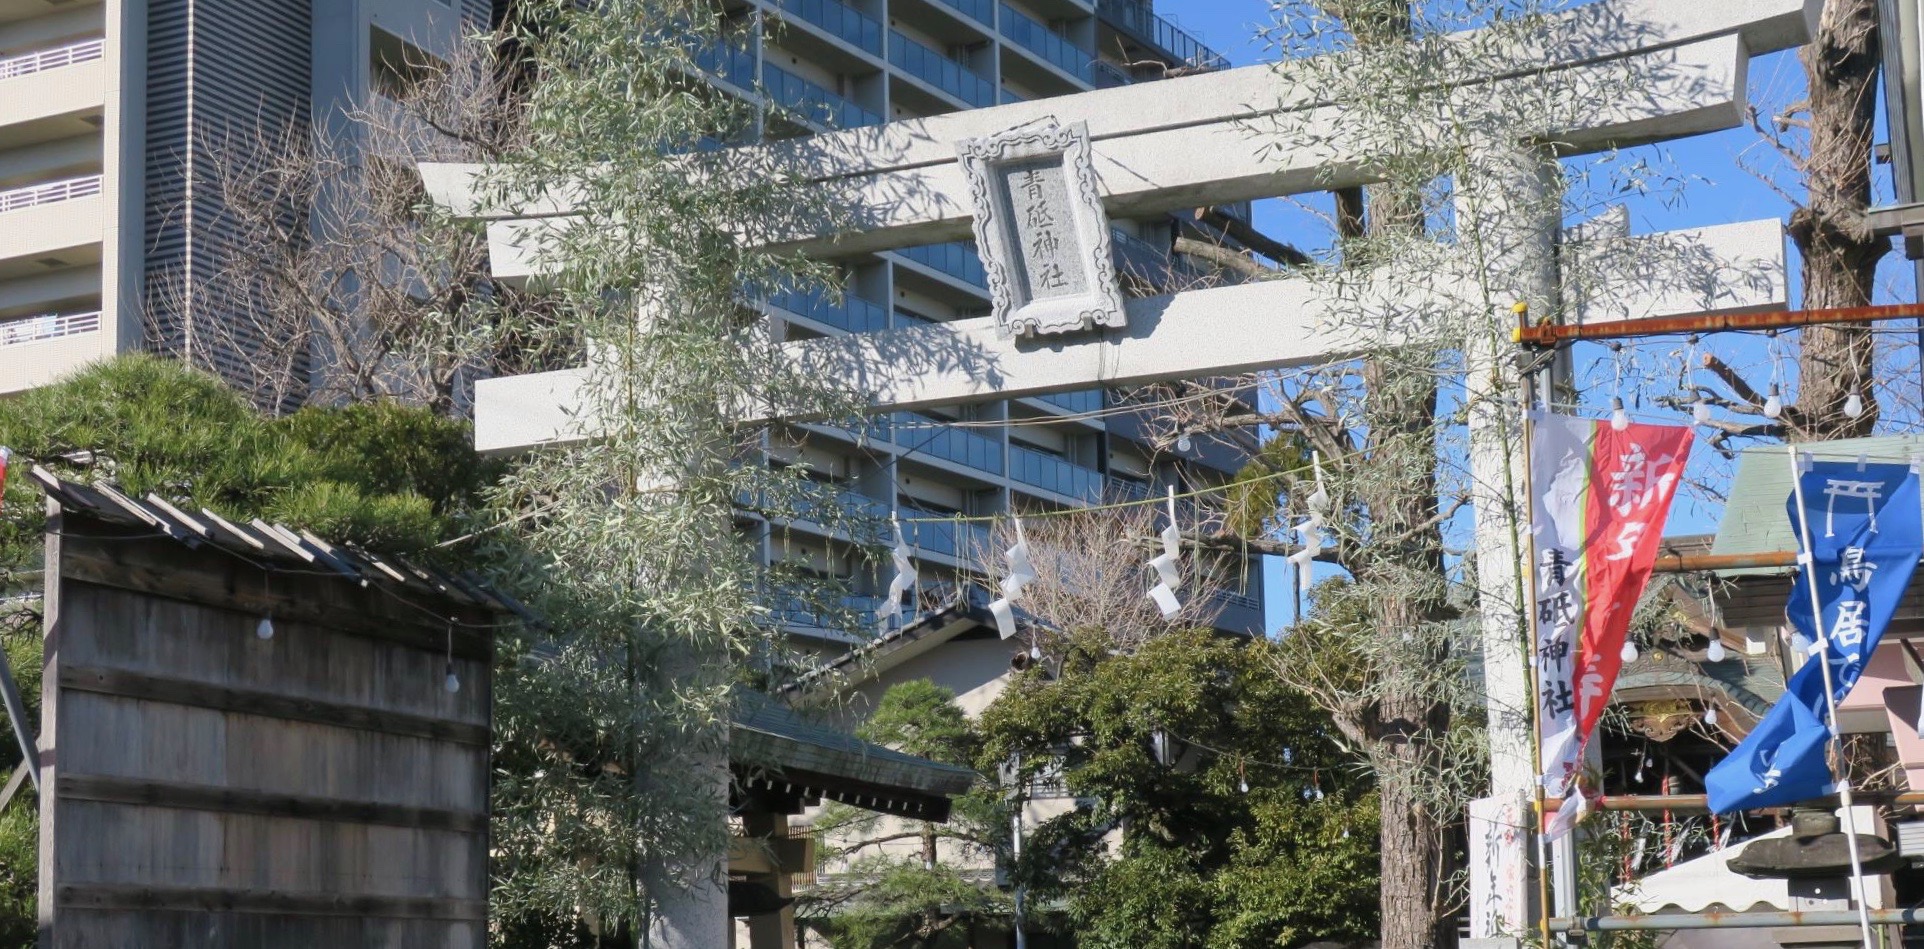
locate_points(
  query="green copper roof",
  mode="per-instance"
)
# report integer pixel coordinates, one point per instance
(1755, 520)
(768, 734)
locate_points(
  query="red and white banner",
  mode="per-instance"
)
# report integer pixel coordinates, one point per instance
(1599, 501)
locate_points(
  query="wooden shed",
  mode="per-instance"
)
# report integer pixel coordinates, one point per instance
(250, 736)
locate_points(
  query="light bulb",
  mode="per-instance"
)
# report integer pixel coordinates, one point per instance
(1774, 405)
(1854, 405)
(1629, 653)
(1345, 833)
(1619, 419)
(1638, 777)
(1183, 443)
(265, 629)
(1710, 715)
(1243, 786)
(1716, 651)
(1035, 652)
(1316, 793)
(1700, 412)
(452, 683)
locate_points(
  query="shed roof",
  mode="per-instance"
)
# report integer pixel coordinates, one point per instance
(272, 546)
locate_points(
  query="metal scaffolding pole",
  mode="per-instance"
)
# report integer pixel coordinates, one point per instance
(1665, 922)
(1543, 335)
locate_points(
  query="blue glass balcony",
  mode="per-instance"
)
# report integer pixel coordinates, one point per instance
(958, 260)
(922, 435)
(1138, 17)
(727, 62)
(1046, 43)
(839, 19)
(851, 312)
(981, 11)
(812, 102)
(1087, 400)
(854, 609)
(963, 540)
(939, 71)
(1105, 76)
(1050, 473)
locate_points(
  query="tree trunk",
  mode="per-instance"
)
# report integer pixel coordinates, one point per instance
(1840, 253)
(1404, 567)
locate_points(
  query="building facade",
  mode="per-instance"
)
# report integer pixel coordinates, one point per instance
(112, 111)
(826, 64)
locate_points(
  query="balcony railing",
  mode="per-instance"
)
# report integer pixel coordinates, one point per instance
(851, 312)
(922, 435)
(1124, 489)
(963, 540)
(958, 260)
(728, 62)
(939, 71)
(839, 19)
(51, 192)
(1086, 400)
(795, 611)
(1046, 471)
(981, 11)
(43, 60)
(1046, 43)
(1139, 18)
(1106, 76)
(52, 326)
(812, 102)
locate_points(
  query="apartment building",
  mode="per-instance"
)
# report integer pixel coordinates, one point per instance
(825, 64)
(106, 106)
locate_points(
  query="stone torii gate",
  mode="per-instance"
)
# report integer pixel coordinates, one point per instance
(1185, 143)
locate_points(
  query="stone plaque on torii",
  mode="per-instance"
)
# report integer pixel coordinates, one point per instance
(1184, 143)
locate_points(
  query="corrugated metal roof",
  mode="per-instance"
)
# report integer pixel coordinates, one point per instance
(269, 544)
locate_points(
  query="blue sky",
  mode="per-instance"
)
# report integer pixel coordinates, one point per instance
(1723, 179)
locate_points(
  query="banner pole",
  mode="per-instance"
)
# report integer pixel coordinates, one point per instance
(1527, 586)
(1808, 560)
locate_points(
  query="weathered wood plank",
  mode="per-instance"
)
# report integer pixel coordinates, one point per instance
(200, 797)
(230, 900)
(133, 738)
(269, 705)
(147, 845)
(195, 643)
(212, 578)
(151, 929)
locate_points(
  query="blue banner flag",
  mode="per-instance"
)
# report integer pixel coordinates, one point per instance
(1865, 529)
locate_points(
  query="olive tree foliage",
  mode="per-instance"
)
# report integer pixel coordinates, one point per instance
(611, 732)
(332, 280)
(1432, 256)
